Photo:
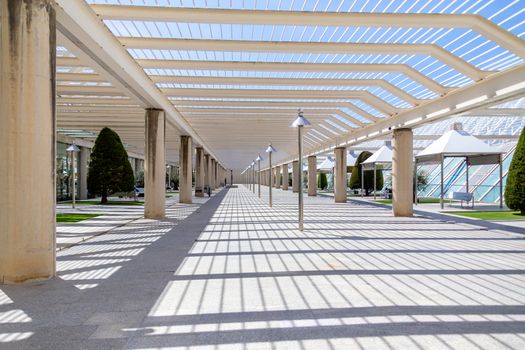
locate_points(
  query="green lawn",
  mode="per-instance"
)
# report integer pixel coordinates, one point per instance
(489, 215)
(420, 200)
(108, 203)
(66, 217)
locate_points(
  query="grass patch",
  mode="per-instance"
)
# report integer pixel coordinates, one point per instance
(108, 203)
(489, 215)
(65, 217)
(420, 201)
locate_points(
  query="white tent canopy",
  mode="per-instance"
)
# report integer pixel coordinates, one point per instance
(459, 143)
(381, 156)
(351, 157)
(327, 165)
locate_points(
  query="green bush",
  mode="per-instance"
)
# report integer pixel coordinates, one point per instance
(109, 168)
(355, 178)
(322, 181)
(515, 187)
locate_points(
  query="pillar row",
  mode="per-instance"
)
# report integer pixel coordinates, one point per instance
(312, 176)
(154, 167)
(27, 140)
(402, 172)
(83, 171)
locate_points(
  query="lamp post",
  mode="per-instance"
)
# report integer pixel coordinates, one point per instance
(270, 150)
(73, 149)
(258, 159)
(299, 123)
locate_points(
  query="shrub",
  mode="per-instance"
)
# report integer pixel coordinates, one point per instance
(355, 178)
(515, 187)
(109, 168)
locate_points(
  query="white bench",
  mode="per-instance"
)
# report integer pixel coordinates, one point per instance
(462, 197)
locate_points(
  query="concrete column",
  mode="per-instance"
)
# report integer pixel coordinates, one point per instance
(284, 171)
(295, 176)
(199, 172)
(154, 167)
(27, 140)
(83, 171)
(277, 183)
(216, 174)
(210, 173)
(340, 175)
(207, 162)
(402, 172)
(185, 169)
(312, 176)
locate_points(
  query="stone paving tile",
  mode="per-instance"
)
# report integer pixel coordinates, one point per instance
(232, 273)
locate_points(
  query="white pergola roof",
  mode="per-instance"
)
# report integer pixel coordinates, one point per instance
(232, 74)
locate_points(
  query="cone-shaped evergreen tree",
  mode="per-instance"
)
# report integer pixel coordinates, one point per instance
(515, 187)
(109, 168)
(355, 178)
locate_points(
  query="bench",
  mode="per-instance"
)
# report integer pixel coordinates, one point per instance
(462, 197)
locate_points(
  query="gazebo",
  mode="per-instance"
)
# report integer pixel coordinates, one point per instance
(459, 143)
(382, 156)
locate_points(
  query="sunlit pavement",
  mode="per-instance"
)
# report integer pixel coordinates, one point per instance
(111, 217)
(231, 273)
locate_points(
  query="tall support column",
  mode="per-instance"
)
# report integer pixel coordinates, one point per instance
(312, 176)
(402, 173)
(185, 169)
(295, 176)
(277, 177)
(27, 140)
(284, 172)
(154, 168)
(216, 174)
(210, 173)
(83, 171)
(207, 162)
(199, 172)
(340, 175)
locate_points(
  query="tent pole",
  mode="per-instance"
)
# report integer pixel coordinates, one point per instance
(500, 181)
(374, 181)
(441, 198)
(466, 166)
(362, 180)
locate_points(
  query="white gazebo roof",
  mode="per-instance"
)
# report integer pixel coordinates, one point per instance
(382, 155)
(327, 165)
(459, 143)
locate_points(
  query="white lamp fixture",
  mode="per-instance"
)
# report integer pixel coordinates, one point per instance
(300, 122)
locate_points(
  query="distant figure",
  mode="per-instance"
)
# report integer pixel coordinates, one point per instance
(209, 191)
(225, 182)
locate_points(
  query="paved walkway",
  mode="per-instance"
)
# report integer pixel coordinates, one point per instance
(232, 273)
(111, 217)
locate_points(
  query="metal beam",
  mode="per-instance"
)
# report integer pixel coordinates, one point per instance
(367, 97)
(433, 50)
(478, 23)
(394, 90)
(297, 67)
